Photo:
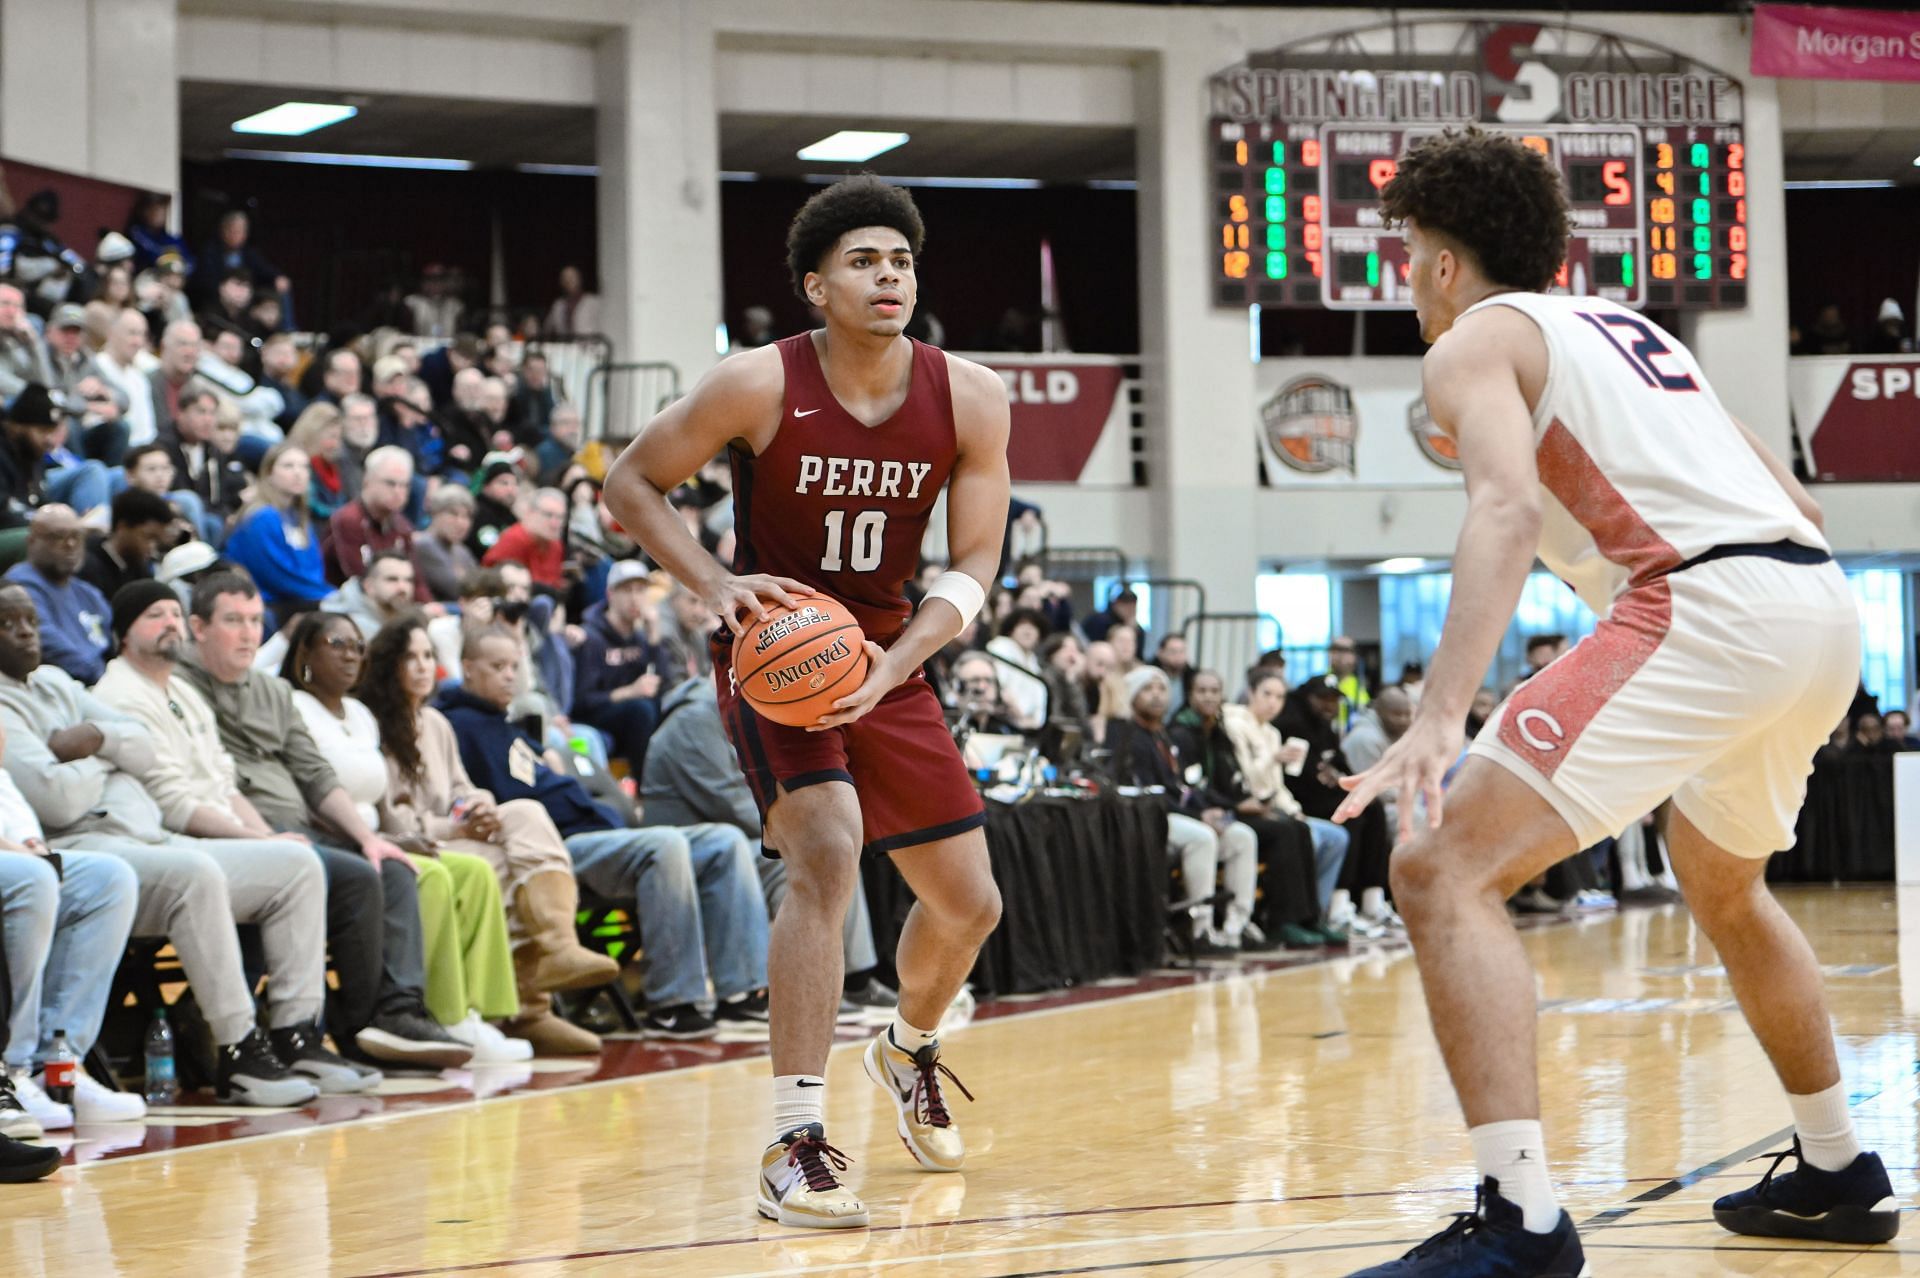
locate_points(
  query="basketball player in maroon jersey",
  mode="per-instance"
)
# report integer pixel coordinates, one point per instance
(841, 439)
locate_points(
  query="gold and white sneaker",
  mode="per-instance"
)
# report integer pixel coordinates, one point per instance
(912, 1083)
(799, 1184)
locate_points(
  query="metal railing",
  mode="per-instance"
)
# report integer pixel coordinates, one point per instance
(621, 398)
(1229, 642)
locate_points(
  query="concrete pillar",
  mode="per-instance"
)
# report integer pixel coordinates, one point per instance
(658, 151)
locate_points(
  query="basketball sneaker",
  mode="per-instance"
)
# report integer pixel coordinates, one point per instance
(1853, 1205)
(912, 1083)
(800, 1183)
(1490, 1242)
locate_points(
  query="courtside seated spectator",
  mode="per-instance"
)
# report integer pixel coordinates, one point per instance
(717, 933)
(537, 540)
(617, 669)
(692, 777)
(1171, 656)
(1310, 714)
(440, 549)
(1264, 759)
(79, 761)
(976, 695)
(1121, 613)
(1391, 714)
(1062, 660)
(375, 520)
(73, 613)
(26, 481)
(1022, 687)
(131, 547)
(275, 540)
(372, 893)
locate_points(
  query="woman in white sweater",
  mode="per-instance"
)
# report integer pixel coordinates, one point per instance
(469, 960)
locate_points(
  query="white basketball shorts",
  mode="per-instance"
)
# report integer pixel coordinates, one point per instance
(1714, 685)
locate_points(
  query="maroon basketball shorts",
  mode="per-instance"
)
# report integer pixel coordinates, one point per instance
(899, 758)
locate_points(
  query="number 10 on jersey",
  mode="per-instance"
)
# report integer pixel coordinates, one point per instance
(869, 535)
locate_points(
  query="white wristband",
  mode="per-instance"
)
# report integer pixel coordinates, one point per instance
(965, 594)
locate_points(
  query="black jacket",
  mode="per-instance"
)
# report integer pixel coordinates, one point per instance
(220, 481)
(1221, 785)
(1299, 720)
(1145, 758)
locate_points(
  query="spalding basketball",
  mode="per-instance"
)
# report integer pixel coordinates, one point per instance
(794, 663)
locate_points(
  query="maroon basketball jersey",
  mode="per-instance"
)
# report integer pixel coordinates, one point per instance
(840, 505)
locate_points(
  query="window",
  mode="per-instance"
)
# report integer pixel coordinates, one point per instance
(1303, 605)
(1413, 607)
(1881, 594)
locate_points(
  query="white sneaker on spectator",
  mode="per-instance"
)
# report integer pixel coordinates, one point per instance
(94, 1102)
(1361, 927)
(15, 1121)
(490, 1046)
(1340, 911)
(49, 1113)
(1386, 918)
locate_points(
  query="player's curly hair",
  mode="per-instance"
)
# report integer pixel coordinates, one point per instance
(848, 205)
(1500, 200)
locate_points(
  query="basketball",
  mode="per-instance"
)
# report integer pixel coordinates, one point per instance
(794, 663)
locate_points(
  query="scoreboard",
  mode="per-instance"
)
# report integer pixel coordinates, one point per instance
(1654, 164)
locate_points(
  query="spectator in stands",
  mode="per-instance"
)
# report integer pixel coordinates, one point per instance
(1172, 657)
(129, 550)
(318, 434)
(1122, 611)
(1899, 731)
(180, 348)
(226, 309)
(1369, 738)
(128, 368)
(73, 613)
(692, 777)
(23, 357)
(496, 415)
(1311, 714)
(756, 328)
(1828, 334)
(275, 540)
(359, 436)
(147, 229)
(162, 291)
(232, 251)
(977, 696)
(150, 469)
(1484, 703)
(1023, 689)
(478, 591)
(436, 307)
(685, 637)
(1343, 662)
(1286, 848)
(1541, 650)
(375, 520)
(1869, 729)
(372, 894)
(340, 374)
(1203, 840)
(79, 762)
(1062, 662)
(1105, 686)
(547, 665)
(26, 482)
(537, 540)
(1889, 332)
(562, 443)
(104, 430)
(1413, 677)
(440, 551)
(377, 597)
(431, 798)
(535, 400)
(1265, 760)
(216, 482)
(279, 358)
(721, 935)
(1125, 642)
(575, 311)
(618, 670)
(494, 504)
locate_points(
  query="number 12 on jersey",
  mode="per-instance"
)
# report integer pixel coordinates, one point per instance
(869, 535)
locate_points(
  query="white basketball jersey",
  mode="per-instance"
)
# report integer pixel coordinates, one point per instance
(1641, 468)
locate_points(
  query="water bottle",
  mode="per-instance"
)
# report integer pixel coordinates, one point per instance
(62, 1065)
(163, 1086)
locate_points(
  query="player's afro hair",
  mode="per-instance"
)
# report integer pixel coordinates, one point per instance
(1501, 201)
(848, 205)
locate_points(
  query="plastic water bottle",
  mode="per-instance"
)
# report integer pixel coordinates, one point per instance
(61, 1068)
(163, 1085)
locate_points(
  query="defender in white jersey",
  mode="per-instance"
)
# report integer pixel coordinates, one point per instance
(1727, 650)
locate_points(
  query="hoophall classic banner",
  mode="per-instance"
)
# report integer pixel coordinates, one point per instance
(1859, 415)
(1812, 42)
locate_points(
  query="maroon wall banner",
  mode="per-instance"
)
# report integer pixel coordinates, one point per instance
(1860, 415)
(1060, 412)
(1810, 42)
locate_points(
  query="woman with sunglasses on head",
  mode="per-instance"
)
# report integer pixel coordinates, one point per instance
(469, 963)
(430, 797)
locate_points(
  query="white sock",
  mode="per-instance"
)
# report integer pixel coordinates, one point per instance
(1515, 1154)
(1827, 1138)
(798, 1099)
(1373, 902)
(910, 1038)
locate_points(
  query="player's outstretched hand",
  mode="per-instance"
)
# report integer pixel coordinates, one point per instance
(1413, 765)
(750, 595)
(881, 679)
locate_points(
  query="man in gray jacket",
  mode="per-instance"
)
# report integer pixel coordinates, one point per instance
(76, 760)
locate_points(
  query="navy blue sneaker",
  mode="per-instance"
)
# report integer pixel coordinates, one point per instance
(1853, 1205)
(1491, 1242)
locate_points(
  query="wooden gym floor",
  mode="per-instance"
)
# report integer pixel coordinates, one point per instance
(1287, 1120)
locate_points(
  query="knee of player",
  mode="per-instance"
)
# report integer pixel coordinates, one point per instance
(823, 870)
(1418, 869)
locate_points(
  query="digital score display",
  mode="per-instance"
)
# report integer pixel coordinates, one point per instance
(1365, 261)
(1302, 137)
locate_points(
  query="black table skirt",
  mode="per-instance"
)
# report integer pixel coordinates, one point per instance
(1083, 886)
(1845, 831)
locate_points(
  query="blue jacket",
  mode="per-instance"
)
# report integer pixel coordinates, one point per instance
(499, 756)
(259, 544)
(74, 622)
(608, 661)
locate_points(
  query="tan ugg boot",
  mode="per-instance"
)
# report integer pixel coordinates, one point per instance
(547, 903)
(551, 1035)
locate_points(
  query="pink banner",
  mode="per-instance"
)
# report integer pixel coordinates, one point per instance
(1810, 42)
